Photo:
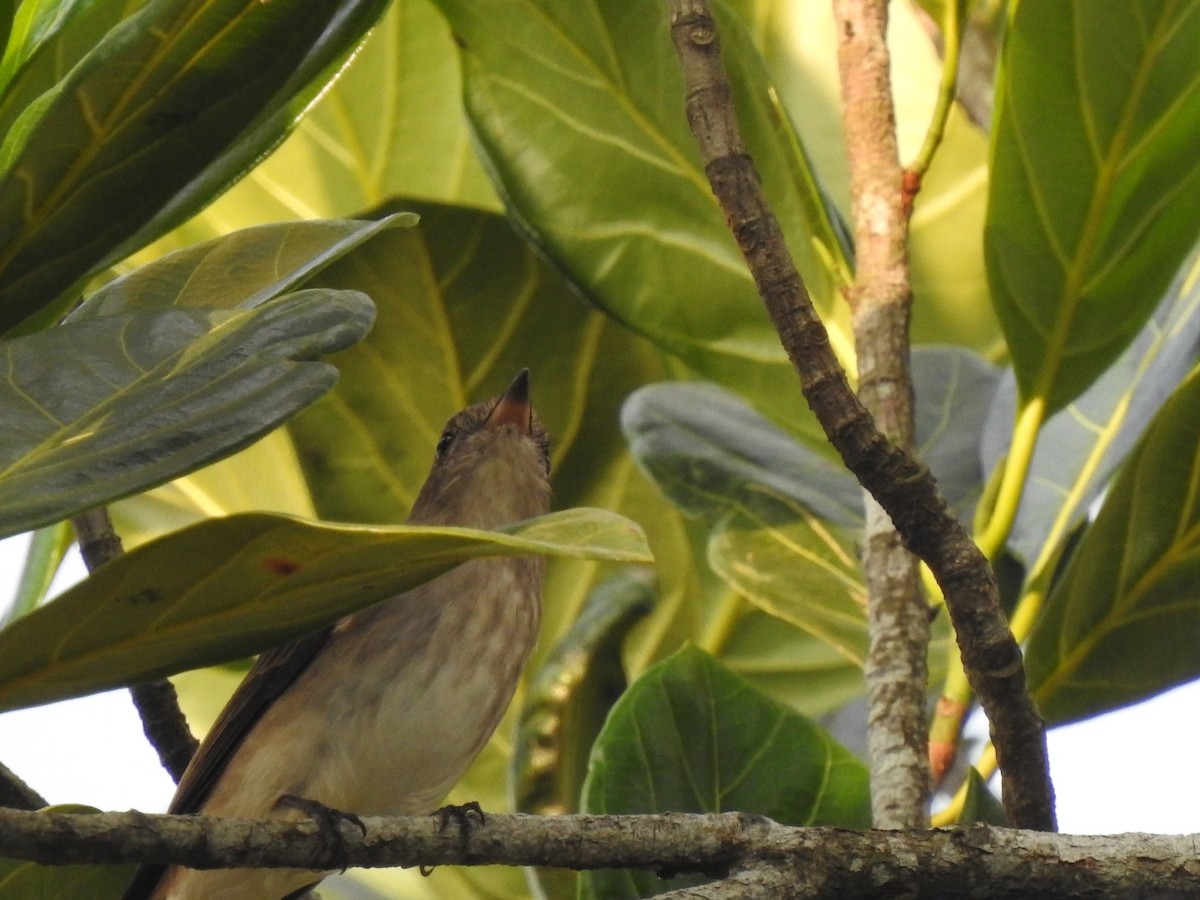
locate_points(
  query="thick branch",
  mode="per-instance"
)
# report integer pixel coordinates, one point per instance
(881, 299)
(901, 484)
(156, 701)
(977, 860)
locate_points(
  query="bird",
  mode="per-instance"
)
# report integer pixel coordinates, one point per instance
(382, 712)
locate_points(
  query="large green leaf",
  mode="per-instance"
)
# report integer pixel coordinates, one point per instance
(615, 193)
(143, 117)
(392, 124)
(104, 407)
(706, 449)
(243, 269)
(227, 588)
(1123, 621)
(789, 562)
(690, 736)
(1094, 178)
(1079, 447)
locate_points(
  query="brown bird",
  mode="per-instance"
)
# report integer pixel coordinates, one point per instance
(382, 712)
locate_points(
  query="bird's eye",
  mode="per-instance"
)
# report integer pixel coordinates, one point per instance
(444, 442)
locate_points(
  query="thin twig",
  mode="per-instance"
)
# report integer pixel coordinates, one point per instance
(156, 701)
(881, 299)
(901, 484)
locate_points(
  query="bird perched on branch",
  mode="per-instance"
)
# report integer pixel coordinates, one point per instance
(382, 712)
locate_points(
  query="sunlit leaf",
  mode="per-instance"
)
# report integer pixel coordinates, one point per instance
(1123, 621)
(47, 547)
(1079, 447)
(690, 736)
(242, 269)
(1094, 178)
(638, 230)
(104, 407)
(227, 588)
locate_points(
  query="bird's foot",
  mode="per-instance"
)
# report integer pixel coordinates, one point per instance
(330, 822)
(461, 815)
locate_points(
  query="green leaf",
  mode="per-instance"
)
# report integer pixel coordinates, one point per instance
(790, 665)
(1094, 177)
(463, 305)
(391, 125)
(239, 270)
(49, 39)
(789, 562)
(141, 118)
(105, 407)
(1123, 621)
(690, 736)
(615, 194)
(954, 388)
(227, 588)
(981, 805)
(707, 450)
(47, 548)
(1080, 446)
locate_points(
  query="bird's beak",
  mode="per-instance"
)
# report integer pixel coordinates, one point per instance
(513, 407)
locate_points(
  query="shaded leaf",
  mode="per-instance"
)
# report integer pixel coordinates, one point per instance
(50, 37)
(104, 407)
(707, 450)
(690, 736)
(1094, 175)
(954, 388)
(227, 588)
(1123, 621)
(1079, 447)
(639, 231)
(981, 805)
(139, 119)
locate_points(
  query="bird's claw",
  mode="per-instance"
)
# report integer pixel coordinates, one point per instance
(462, 815)
(330, 821)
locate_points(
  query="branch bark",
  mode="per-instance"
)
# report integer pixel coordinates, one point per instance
(901, 484)
(157, 703)
(743, 851)
(881, 299)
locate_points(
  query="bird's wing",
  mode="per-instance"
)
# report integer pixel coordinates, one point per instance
(272, 673)
(269, 677)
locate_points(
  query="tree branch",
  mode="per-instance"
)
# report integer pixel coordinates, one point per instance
(157, 703)
(976, 860)
(881, 299)
(901, 484)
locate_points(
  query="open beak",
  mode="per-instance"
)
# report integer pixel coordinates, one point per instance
(513, 407)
